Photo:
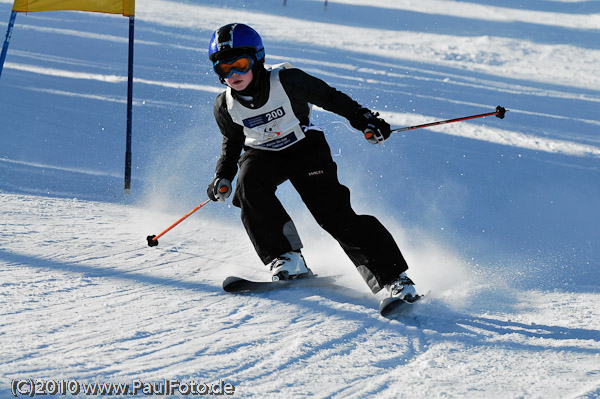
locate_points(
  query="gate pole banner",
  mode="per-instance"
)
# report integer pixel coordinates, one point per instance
(124, 7)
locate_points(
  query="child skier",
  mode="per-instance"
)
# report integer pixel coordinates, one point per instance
(266, 113)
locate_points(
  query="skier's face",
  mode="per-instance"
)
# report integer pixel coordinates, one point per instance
(239, 82)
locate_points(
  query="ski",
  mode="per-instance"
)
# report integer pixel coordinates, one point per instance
(388, 307)
(393, 307)
(236, 284)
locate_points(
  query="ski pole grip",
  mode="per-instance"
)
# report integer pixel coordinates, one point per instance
(500, 112)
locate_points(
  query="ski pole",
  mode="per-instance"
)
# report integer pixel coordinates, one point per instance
(500, 111)
(153, 240)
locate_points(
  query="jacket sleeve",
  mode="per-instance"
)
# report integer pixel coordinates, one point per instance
(304, 88)
(233, 140)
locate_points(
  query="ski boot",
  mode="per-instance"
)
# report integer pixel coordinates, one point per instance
(403, 288)
(289, 266)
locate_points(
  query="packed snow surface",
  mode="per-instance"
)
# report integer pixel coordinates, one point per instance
(498, 219)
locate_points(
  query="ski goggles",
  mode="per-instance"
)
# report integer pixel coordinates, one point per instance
(240, 65)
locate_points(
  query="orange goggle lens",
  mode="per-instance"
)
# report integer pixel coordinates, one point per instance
(239, 65)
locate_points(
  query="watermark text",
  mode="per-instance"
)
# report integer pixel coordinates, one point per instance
(34, 387)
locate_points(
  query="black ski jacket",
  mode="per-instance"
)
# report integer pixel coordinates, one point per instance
(301, 88)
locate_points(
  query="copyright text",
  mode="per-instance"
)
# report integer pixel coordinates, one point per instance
(34, 387)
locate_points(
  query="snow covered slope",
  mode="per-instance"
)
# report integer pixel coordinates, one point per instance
(498, 218)
(85, 299)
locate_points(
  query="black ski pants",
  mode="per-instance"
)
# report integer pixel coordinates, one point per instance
(309, 167)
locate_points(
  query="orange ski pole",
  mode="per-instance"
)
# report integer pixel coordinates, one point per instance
(153, 240)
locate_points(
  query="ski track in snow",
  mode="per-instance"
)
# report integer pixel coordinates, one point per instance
(485, 12)
(378, 75)
(498, 136)
(81, 302)
(495, 55)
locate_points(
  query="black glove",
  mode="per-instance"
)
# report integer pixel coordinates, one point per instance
(219, 189)
(375, 129)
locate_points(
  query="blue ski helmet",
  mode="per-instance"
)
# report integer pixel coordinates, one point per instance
(235, 39)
